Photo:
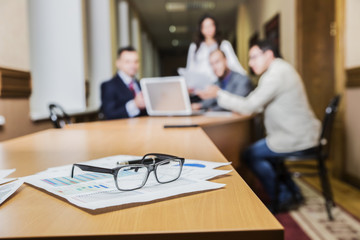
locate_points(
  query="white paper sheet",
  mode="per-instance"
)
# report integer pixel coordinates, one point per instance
(100, 190)
(6, 172)
(103, 193)
(196, 80)
(5, 180)
(6, 190)
(204, 164)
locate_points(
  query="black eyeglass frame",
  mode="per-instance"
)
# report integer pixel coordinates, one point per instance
(150, 163)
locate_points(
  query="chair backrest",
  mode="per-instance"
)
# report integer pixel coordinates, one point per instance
(327, 125)
(58, 116)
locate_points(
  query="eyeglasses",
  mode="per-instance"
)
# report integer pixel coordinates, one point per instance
(134, 174)
(255, 56)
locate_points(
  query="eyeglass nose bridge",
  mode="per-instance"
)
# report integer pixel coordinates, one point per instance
(152, 166)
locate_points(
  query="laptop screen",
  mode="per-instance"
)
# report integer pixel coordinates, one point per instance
(166, 96)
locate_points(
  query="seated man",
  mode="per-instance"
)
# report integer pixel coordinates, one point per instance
(121, 96)
(289, 121)
(228, 80)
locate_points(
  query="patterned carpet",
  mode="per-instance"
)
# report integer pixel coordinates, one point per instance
(310, 221)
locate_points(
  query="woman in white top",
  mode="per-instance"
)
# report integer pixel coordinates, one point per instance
(207, 40)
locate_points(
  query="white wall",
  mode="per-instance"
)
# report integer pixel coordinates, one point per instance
(352, 95)
(99, 48)
(352, 34)
(261, 11)
(14, 54)
(61, 50)
(57, 55)
(135, 32)
(123, 23)
(352, 118)
(150, 57)
(146, 55)
(14, 35)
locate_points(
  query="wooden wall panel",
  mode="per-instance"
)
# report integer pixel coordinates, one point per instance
(14, 83)
(16, 112)
(15, 90)
(316, 51)
(353, 77)
(320, 61)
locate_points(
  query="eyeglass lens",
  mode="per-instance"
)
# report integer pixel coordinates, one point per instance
(168, 170)
(132, 177)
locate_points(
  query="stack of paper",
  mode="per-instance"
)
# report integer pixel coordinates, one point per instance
(8, 185)
(99, 190)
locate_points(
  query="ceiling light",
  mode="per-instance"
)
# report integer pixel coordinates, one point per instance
(175, 6)
(193, 5)
(203, 5)
(172, 29)
(175, 42)
(178, 29)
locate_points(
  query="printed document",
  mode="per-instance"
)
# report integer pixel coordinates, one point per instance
(6, 190)
(99, 190)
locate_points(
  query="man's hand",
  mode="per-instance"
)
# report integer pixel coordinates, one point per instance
(196, 106)
(209, 92)
(139, 101)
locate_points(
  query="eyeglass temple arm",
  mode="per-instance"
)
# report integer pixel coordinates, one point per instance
(134, 162)
(141, 161)
(158, 157)
(91, 169)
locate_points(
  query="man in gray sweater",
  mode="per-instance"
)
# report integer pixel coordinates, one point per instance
(230, 81)
(291, 125)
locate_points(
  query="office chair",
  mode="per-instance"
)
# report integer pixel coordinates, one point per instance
(319, 153)
(58, 116)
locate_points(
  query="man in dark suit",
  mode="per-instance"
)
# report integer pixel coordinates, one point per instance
(229, 81)
(121, 96)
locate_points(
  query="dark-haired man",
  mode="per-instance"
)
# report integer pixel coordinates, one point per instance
(121, 96)
(228, 80)
(289, 121)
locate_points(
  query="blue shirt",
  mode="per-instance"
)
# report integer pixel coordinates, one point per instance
(225, 80)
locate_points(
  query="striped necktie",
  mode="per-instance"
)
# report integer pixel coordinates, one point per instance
(131, 88)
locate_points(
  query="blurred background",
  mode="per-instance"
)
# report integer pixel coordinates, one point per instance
(62, 50)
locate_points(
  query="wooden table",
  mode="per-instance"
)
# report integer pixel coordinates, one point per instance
(230, 134)
(233, 212)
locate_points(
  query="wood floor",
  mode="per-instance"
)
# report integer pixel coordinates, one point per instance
(345, 195)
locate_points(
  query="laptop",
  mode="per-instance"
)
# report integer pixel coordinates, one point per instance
(166, 96)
